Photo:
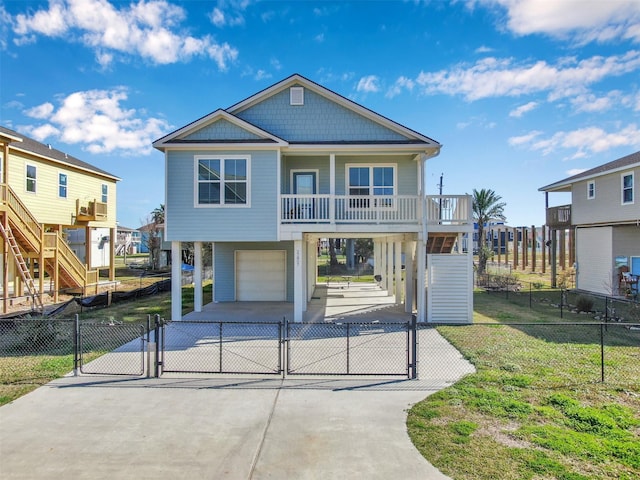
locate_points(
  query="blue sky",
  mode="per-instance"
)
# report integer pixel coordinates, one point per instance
(520, 93)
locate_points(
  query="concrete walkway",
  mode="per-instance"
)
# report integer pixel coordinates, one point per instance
(197, 427)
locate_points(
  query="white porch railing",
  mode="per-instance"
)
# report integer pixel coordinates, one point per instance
(449, 210)
(350, 209)
(441, 209)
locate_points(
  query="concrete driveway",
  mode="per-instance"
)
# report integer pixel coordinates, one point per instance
(198, 427)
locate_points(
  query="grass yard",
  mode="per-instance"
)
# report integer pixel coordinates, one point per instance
(535, 408)
(23, 371)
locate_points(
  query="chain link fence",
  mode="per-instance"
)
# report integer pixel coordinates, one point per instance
(548, 355)
(561, 302)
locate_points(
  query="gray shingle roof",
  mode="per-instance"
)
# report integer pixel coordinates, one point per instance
(620, 163)
(32, 146)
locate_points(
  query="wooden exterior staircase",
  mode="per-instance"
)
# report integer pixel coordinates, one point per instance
(440, 243)
(27, 238)
(25, 274)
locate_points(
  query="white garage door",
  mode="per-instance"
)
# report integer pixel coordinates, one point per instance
(260, 275)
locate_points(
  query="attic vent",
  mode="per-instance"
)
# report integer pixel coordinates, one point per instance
(296, 95)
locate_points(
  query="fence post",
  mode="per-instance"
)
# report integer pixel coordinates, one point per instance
(348, 335)
(148, 346)
(414, 348)
(284, 336)
(157, 362)
(561, 301)
(76, 344)
(530, 294)
(602, 352)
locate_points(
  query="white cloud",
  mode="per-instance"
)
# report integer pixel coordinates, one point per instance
(402, 83)
(575, 171)
(591, 103)
(97, 120)
(148, 29)
(483, 49)
(522, 109)
(41, 111)
(368, 84)
(580, 141)
(494, 77)
(599, 21)
(319, 38)
(229, 13)
(524, 139)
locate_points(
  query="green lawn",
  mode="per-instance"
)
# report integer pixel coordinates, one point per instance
(535, 409)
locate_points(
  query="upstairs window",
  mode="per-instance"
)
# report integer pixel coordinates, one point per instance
(627, 188)
(31, 178)
(371, 181)
(222, 181)
(591, 190)
(62, 185)
(105, 193)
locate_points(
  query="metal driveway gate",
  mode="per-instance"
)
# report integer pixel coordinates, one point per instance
(221, 347)
(283, 348)
(374, 348)
(110, 348)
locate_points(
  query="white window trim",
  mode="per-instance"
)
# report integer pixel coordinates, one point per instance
(26, 179)
(371, 166)
(66, 186)
(102, 195)
(197, 158)
(296, 96)
(304, 170)
(589, 185)
(633, 190)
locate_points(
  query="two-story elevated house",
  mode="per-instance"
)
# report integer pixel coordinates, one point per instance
(264, 179)
(605, 214)
(57, 220)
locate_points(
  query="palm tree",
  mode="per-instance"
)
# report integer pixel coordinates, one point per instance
(158, 214)
(486, 207)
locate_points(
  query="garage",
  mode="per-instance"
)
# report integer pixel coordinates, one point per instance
(261, 275)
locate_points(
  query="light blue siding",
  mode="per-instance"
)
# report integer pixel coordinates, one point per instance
(185, 222)
(225, 270)
(407, 170)
(319, 119)
(222, 130)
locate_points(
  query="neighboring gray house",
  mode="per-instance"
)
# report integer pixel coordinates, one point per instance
(266, 178)
(605, 213)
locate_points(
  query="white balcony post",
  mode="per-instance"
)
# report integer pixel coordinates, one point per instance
(398, 272)
(332, 188)
(298, 281)
(421, 274)
(176, 281)
(197, 276)
(409, 277)
(389, 268)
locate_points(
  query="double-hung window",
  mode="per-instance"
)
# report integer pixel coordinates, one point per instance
(31, 178)
(222, 180)
(105, 193)
(591, 190)
(62, 185)
(627, 188)
(371, 181)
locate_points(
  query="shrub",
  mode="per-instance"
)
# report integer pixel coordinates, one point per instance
(584, 304)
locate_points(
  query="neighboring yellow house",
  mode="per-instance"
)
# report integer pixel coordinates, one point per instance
(56, 211)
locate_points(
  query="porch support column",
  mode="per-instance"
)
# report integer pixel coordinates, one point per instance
(409, 277)
(113, 236)
(389, 268)
(421, 274)
(213, 272)
(197, 276)
(377, 257)
(312, 269)
(332, 188)
(298, 280)
(176, 282)
(398, 271)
